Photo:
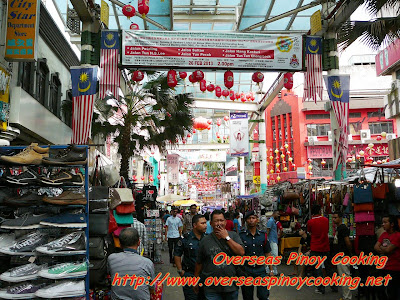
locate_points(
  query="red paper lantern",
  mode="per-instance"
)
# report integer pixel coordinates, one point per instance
(218, 92)
(200, 123)
(203, 85)
(226, 118)
(232, 95)
(182, 75)
(142, 178)
(258, 77)
(210, 87)
(134, 178)
(288, 81)
(194, 131)
(189, 135)
(137, 76)
(218, 136)
(237, 96)
(134, 26)
(171, 79)
(228, 79)
(198, 75)
(209, 127)
(218, 122)
(378, 138)
(158, 176)
(209, 122)
(143, 7)
(151, 178)
(192, 79)
(128, 11)
(225, 93)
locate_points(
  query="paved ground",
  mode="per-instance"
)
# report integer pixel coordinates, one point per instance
(276, 293)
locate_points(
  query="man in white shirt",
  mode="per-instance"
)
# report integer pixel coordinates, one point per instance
(173, 233)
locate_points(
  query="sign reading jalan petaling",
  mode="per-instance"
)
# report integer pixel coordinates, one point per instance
(179, 49)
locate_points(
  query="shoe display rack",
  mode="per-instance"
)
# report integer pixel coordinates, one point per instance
(44, 239)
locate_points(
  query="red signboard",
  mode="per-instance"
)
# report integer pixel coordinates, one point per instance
(387, 58)
(326, 151)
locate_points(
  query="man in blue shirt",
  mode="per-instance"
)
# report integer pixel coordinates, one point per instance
(189, 247)
(173, 232)
(272, 233)
(255, 244)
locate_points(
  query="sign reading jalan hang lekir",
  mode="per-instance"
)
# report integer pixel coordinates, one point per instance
(326, 151)
(211, 50)
(22, 29)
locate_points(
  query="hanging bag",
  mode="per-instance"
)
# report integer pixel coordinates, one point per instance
(120, 195)
(364, 216)
(363, 193)
(364, 207)
(367, 228)
(379, 190)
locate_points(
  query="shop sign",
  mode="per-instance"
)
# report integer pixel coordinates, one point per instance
(248, 175)
(291, 176)
(257, 179)
(315, 22)
(4, 95)
(215, 50)
(104, 12)
(239, 134)
(387, 58)
(173, 168)
(326, 151)
(22, 30)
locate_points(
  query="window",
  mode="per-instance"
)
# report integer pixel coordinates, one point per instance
(67, 109)
(378, 128)
(42, 81)
(318, 129)
(354, 115)
(317, 116)
(376, 114)
(26, 77)
(55, 95)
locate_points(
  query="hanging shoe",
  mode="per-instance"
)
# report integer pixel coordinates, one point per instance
(72, 155)
(31, 155)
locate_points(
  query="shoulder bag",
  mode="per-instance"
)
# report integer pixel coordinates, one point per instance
(120, 195)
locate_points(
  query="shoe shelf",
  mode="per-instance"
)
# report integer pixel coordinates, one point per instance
(49, 286)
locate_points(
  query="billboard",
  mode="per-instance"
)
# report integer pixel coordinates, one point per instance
(216, 50)
(239, 134)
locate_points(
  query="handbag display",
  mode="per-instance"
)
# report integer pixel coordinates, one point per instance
(367, 228)
(394, 209)
(363, 193)
(295, 211)
(112, 224)
(97, 248)
(346, 199)
(290, 195)
(364, 207)
(364, 216)
(98, 224)
(379, 190)
(120, 195)
(123, 209)
(98, 273)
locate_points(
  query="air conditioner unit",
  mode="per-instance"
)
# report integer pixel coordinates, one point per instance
(390, 136)
(350, 137)
(330, 136)
(312, 140)
(365, 134)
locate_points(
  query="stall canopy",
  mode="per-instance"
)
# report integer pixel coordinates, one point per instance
(186, 203)
(171, 198)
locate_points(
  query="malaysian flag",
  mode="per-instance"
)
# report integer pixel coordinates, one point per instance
(313, 77)
(84, 83)
(109, 72)
(338, 88)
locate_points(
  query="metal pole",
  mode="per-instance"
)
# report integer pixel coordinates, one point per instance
(241, 174)
(263, 154)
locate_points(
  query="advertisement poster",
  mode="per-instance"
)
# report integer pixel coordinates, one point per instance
(231, 169)
(22, 30)
(216, 50)
(4, 95)
(173, 168)
(239, 134)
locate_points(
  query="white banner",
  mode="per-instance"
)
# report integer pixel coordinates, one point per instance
(239, 134)
(231, 169)
(173, 168)
(216, 50)
(200, 156)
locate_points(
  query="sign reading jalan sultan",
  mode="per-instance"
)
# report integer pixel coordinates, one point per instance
(211, 50)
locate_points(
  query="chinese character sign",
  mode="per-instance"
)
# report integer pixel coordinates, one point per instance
(22, 29)
(173, 168)
(239, 134)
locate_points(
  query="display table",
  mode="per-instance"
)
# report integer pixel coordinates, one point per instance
(290, 242)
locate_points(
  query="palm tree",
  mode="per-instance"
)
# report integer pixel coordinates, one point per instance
(150, 116)
(376, 32)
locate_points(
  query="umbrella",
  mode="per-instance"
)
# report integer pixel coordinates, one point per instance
(171, 198)
(185, 203)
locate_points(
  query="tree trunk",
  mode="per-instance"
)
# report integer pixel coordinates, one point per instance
(124, 149)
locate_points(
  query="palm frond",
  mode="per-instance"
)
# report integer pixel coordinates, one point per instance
(374, 34)
(374, 6)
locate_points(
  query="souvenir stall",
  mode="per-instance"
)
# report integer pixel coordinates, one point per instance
(247, 202)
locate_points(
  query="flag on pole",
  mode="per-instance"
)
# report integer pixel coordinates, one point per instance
(338, 88)
(109, 57)
(84, 84)
(313, 77)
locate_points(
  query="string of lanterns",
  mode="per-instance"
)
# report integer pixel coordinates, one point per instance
(280, 165)
(143, 8)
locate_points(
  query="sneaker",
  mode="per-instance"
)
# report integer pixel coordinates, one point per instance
(63, 177)
(25, 178)
(67, 198)
(21, 291)
(31, 155)
(66, 220)
(65, 270)
(73, 243)
(7, 240)
(26, 221)
(72, 155)
(28, 199)
(22, 273)
(62, 289)
(26, 245)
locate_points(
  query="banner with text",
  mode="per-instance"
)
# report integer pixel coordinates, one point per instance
(216, 50)
(231, 169)
(326, 151)
(239, 134)
(173, 168)
(22, 30)
(201, 156)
